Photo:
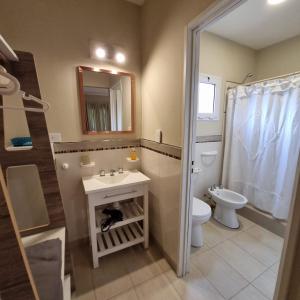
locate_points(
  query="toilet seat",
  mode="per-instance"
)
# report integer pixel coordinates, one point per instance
(201, 214)
(201, 210)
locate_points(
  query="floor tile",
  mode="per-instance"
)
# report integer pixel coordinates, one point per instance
(266, 237)
(194, 286)
(213, 235)
(245, 223)
(82, 272)
(128, 295)
(196, 251)
(223, 277)
(157, 288)
(275, 268)
(111, 278)
(258, 250)
(156, 255)
(249, 293)
(141, 265)
(84, 296)
(240, 260)
(266, 283)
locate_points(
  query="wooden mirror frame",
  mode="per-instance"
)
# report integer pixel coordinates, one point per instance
(82, 101)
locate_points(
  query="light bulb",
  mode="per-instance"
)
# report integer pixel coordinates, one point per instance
(100, 53)
(275, 2)
(120, 57)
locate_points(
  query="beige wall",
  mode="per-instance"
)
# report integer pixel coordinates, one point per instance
(163, 29)
(58, 34)
(279, 59)
(228, 60)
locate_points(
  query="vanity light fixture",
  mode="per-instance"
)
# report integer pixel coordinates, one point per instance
(100, 53)
(120, 57)
(275, 2)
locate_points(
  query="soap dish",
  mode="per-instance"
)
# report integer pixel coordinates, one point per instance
(89, 165)
(132, 161)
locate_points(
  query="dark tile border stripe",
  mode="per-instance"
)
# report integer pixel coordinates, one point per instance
(163, 153)
(102, 145)
(94, 149)
(164, 149)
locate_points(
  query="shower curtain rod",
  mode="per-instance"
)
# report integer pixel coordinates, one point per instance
(267, 79)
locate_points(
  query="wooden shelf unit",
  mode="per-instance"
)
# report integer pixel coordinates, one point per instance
(134, 229)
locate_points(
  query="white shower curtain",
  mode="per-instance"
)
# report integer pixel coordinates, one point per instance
(262, 143)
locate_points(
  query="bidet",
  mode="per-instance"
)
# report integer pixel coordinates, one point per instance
(227, 202)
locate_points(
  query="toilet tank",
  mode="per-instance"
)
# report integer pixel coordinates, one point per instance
(208, 157)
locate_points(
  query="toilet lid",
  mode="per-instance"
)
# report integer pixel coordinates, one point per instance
(200, 208)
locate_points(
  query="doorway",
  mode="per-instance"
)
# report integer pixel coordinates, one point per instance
(195, 72)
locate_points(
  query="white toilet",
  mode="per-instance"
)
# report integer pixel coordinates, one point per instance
(201, 214)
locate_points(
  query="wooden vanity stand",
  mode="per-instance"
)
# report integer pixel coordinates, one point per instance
(134, 228)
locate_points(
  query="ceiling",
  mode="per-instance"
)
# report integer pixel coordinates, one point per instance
(257, 24)
(137, 2)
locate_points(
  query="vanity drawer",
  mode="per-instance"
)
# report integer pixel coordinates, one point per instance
(117, 195)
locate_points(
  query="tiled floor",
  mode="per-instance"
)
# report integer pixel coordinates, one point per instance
(240, 264)
(233, 264)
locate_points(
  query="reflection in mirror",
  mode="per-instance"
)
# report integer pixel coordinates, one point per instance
(27, 197)
(106, 100)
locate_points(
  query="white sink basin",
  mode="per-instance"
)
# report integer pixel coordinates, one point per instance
(117, 178)
(98, 183)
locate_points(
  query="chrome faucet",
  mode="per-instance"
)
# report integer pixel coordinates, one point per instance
(212, 188)
(102, 172)
(121, 170)
(112, 172)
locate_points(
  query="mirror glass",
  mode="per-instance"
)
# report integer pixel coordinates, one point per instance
(106, 100)
(27, 197)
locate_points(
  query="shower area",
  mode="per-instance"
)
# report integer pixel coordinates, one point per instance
(261, 149)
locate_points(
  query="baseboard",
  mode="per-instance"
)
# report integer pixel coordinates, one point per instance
(264, 220)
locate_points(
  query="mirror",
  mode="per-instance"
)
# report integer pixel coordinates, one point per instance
(27, 197)
(106, 100)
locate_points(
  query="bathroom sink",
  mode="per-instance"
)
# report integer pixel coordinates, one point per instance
(99, 183)
(117, 178)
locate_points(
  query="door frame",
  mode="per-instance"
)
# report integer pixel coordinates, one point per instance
(191, 74)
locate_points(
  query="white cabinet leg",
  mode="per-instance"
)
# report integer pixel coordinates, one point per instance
(93, 234)
(146, 218)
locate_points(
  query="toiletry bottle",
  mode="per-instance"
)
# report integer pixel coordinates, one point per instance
(133, 154)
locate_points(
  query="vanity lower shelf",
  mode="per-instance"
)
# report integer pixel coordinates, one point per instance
(119, 238)
(132, 212)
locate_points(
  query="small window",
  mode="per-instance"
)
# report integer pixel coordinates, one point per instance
(209, 97)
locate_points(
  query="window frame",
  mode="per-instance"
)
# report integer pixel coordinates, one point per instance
(217, 82)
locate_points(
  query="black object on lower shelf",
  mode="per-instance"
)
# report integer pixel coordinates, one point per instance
(114, 215)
